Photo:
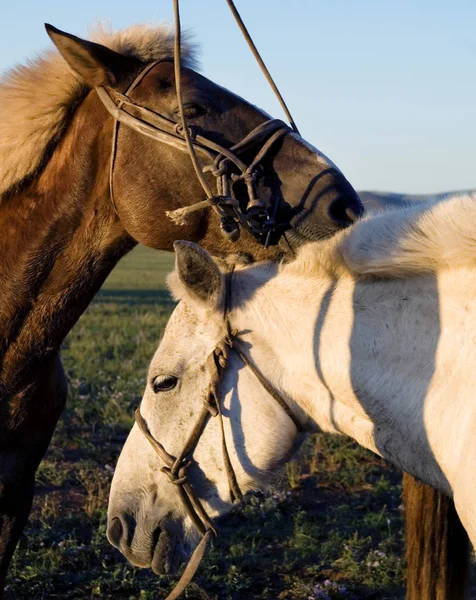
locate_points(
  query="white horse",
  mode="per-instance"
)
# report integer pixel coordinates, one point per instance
(370, 334)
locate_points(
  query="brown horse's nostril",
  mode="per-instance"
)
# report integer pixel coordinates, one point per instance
(346, 209)
(115, 532)
(339, 212)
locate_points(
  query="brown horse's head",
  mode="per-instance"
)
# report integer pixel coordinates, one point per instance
(151, 177)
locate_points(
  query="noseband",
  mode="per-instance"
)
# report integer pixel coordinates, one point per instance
(259, 216)
(176, 468)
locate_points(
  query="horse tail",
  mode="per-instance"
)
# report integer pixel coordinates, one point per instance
(437, 546)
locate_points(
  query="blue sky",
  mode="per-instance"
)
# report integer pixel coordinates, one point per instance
(385, 88)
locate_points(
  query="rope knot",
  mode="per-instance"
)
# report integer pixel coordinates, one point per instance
(222, 349)
(216, 169)
(173, 478)
(251, 176)
(179, 131)
(248, 176)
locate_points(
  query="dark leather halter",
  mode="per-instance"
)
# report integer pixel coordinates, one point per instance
(259, 216)
(176, 468)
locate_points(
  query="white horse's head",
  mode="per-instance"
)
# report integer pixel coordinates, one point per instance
(148, 521)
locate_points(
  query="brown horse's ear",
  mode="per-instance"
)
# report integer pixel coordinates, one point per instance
(198, 276)
(97, 65)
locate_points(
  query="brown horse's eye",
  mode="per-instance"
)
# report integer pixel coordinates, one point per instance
(191, 111)
(164, 383)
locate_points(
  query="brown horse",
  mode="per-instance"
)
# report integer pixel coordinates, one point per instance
(62, 233)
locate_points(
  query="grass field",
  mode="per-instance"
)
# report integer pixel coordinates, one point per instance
(333, 532)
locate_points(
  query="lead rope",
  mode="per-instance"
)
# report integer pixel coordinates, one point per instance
(178, 216)
(192, 566)
(261, 63)
(178, 85)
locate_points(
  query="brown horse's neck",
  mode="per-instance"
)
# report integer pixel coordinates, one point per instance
(60, 239)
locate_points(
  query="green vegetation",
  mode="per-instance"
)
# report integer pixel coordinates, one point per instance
(333, 531)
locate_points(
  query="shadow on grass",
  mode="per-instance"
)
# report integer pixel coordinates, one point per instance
(284, 553)
(144, 297)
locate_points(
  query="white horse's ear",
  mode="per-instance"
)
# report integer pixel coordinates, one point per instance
(196, 275)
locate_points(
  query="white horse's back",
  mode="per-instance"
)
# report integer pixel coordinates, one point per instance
(424, 237)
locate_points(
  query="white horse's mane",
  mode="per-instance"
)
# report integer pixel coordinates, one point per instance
(424, 238)
(37, 97)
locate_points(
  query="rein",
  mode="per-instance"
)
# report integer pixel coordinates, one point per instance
(259, 216)
(176, 468)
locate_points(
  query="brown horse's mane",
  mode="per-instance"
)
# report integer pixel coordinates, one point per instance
(38, 98)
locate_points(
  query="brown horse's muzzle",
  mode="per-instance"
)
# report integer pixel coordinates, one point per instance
(329, 199)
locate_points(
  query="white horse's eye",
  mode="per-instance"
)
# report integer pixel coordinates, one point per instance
(164, 383)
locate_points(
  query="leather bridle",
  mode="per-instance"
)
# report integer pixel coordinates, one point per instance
(177, 467)
(259, 217)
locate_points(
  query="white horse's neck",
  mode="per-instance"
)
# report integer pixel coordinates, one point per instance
(380, 362)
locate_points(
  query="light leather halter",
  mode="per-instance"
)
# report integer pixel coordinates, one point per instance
(176, 468)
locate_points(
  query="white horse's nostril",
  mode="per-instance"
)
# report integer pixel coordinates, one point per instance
(115, 532)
